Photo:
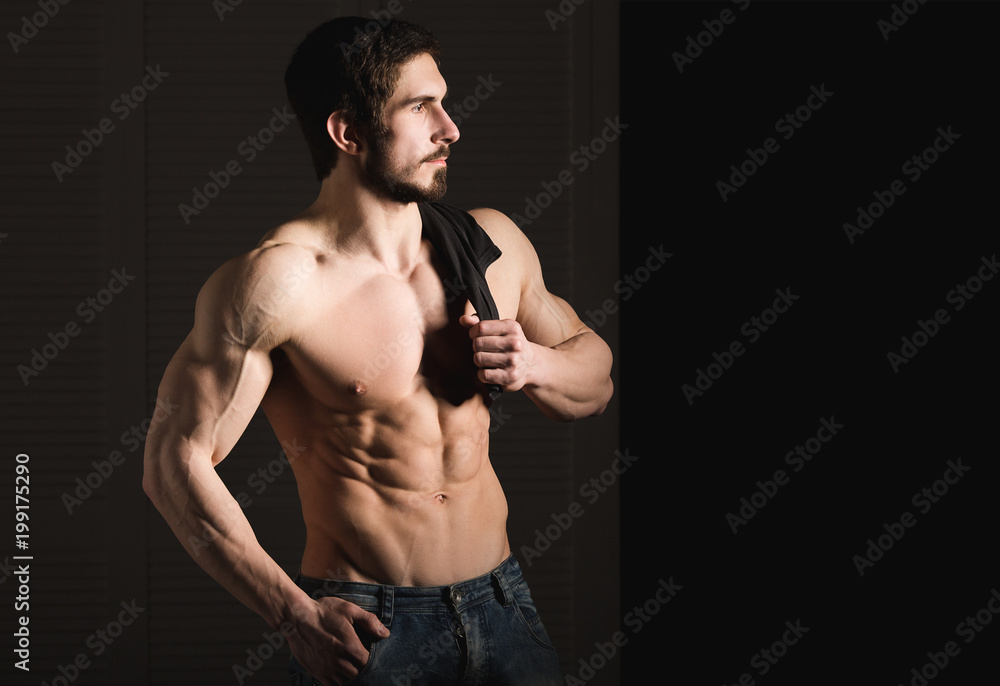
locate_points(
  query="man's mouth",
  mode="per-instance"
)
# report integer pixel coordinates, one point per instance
(438, 158)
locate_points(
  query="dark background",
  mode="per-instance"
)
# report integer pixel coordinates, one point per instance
(60, 239)
(826, 356)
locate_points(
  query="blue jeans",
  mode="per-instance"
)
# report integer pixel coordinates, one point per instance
(480, 631)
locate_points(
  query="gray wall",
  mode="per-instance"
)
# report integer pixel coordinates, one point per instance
(100, 268)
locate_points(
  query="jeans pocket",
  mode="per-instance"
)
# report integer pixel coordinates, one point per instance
(299, 676)
(524, 605)
(372, 649)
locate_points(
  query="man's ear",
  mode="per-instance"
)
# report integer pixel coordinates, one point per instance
(344, 133)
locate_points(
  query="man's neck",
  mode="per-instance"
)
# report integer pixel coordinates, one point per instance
(356, 220)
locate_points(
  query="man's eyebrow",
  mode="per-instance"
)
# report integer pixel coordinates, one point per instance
(422, 98)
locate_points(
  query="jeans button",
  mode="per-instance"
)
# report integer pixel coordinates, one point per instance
(456, 596)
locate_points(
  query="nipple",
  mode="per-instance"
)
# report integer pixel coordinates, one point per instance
(359, 389)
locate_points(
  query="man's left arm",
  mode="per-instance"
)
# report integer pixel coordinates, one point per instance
(546, 351)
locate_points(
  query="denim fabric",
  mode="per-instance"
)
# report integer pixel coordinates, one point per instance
(480, 631)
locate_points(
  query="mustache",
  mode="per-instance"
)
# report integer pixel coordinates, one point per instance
(442, 153)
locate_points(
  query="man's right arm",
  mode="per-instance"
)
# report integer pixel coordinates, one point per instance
(217, 379)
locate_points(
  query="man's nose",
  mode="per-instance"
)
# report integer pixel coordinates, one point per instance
(447, 133)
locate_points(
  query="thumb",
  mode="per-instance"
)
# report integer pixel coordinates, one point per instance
(371, 623)
(469, 320)
(375, 626)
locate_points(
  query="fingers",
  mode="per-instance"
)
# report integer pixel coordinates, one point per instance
(501, 361)
(511, 377)
(339, 649)
(358, 621)
(370, 623)
(495, 351)
(479, 328)
(500, 351)
(496, 337)
(488, 327)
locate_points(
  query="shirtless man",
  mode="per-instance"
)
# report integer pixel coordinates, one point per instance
(344, 326)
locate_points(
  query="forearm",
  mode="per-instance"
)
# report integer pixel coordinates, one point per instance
(211, 526)
(571, 380)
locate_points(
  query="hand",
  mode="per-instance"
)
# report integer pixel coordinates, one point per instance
(327, 639)
(501, 351)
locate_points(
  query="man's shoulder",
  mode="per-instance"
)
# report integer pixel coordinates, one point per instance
(257, 294)
(514, 244)
(495, 223)
(272, 265)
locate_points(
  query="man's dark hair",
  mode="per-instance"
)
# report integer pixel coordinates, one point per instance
(350, 64)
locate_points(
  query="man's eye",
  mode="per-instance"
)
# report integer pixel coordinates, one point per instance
(418, 108)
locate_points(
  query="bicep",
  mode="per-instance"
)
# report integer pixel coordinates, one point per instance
(546, 319)
(216, 380)
(216, 394)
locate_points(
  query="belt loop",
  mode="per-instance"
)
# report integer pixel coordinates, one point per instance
(387, 603)
(502, 588)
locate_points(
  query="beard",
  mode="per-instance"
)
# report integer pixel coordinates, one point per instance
(392, 179)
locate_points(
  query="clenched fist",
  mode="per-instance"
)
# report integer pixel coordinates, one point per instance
(501, 351)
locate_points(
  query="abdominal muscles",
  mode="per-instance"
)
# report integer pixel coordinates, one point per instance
(404, 494)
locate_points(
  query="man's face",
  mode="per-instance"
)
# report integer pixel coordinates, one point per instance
(408, 164)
